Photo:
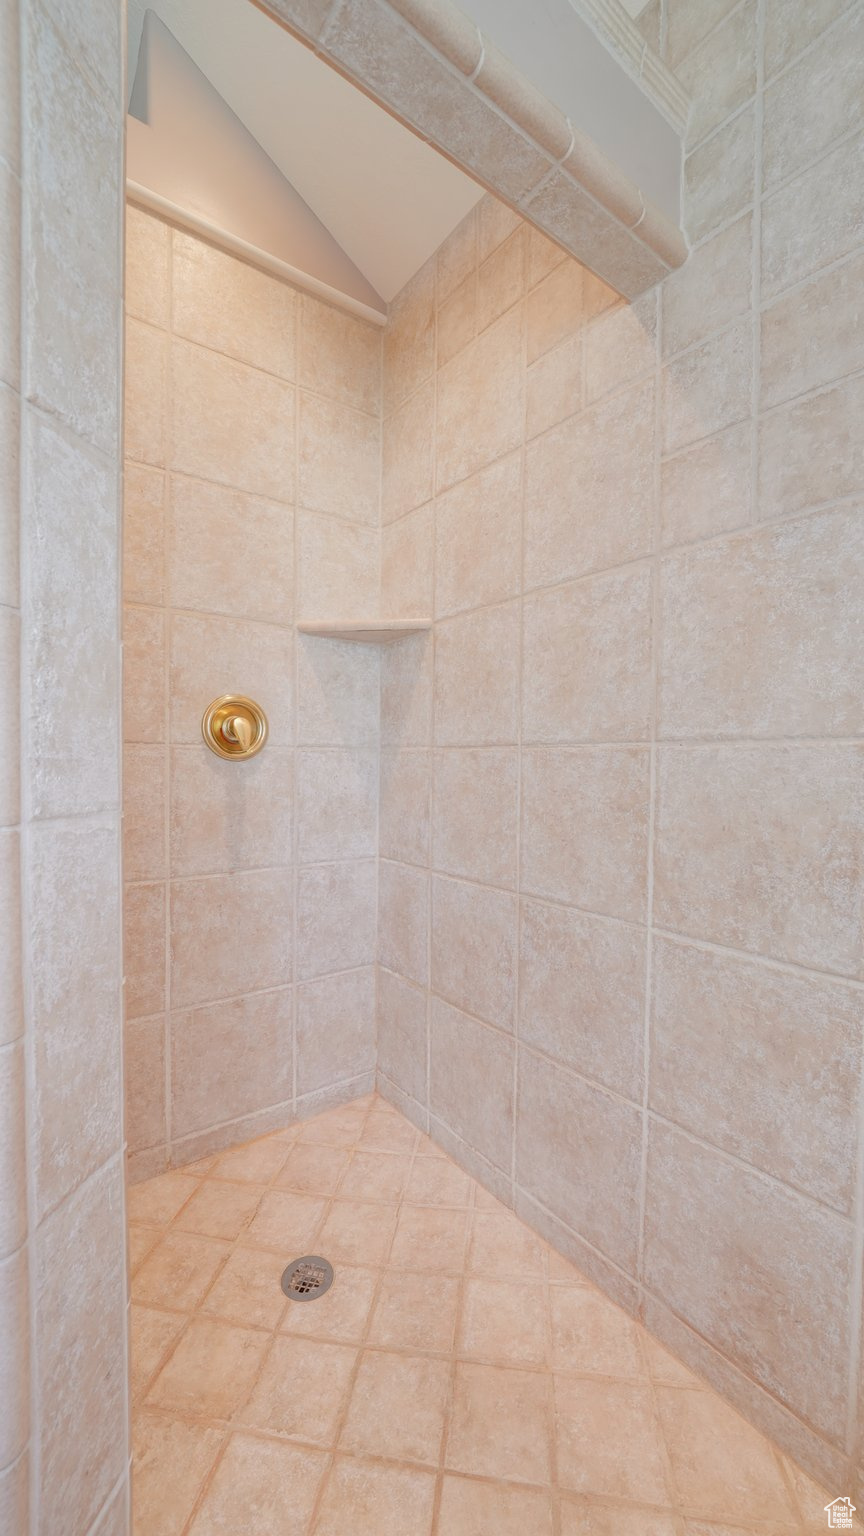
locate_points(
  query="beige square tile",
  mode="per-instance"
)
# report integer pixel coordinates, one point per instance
(500, 279)
(788, 1257)
(146, 393)
(585, 827)
(719, 176)
(806, 340)
(144, 1067)
(457, 320)
(301, 1389)
(340, 355)
(339, 1127)
(788, 664)
(477, 539)
(471, 1082)
(495, 222)
(582, 993)
(430, 1240)
(145, 800)
(172, 1460)
(215, 1076)
(543, 254)
(286, 1221)
(406, 566)
(340, 1315)
(406, 692)
(386, 1130)
(357, 1232)
(403, 907)
(339, 459)
(157, 1202)
(621, 345)
(499, 1425)
(720, 73)
(408, 456)
(148, 243)
(810, 453)
(179, 1271)
(609, 1439)
(801, 1131)
(337, 693)
(587, 653)
(477, 678)
(480, 401)
(219, 1209)
(579, 1517)
(502, 1246)
(375, 1176)
(790, 26)
(469, 1507)
(722, 1468)
(219, 946)
(409, 338)
(708, 388)
(815, 102)
(144, 497)
(212, 829)
(313, 1169)
(374, 1500)
(230, 553)
(211, 1372)
(338, 568)
(664, 1368)
(232, 307)
(336, 917)
(592, 1336)
(141, 1241)
(709, 488)
(554, 386)
(247, 1291)
(337, 804)
(474, 814)
(402, 1033)
(588, 492)
(144, 669)
(415, 1311)
(777, 880)
(256, 658)
(231, 423)
(502, 1323)
(456, 257)
(255, 1163)
(711, 289)
(404, 786)
(397, 1407)
(152, 1334)
(553, 311)
(579, 1152)
(474, 949)
(262, 1489)
(437, 1181)
(792, 246)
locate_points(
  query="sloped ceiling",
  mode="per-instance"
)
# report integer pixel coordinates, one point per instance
(388, 199)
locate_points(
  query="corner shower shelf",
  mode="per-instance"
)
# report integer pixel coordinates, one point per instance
(368, 631)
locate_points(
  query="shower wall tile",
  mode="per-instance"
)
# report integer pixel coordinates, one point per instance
(582, 993)
(457, 320)
(231, 307)
(335, 1029)
(810, 451)
(409, 338)
(477, 678)
(719, 176)
(587, 659)
(144, 948)
(14, 1364)
(336, 917)
(760, 632)
(245, 437)
(337, 804)
(621, 345)
(813, 220)
(145, 493)
(144, 1070)
(405, 789)
(553, 310)
(146, 390)
(339, 459)
(477, 539)
(708, 488)
(475, 814)
(402, 1032)
(219, 946)
(145, 791)
(408, 445)
(473, 949)
(480, 402)
(338, 568)
(758, 848)
(217, 824)
(229, 553)
(708, 388)
(230, 1060)
(806, 338)
(585, 815)
(814, 102)
(339, 355)
(720, 72)
(554, 387)
(148, 268)
(471, 1082)
(791, 25)
(717, 1020)
(211, 655)
(11, 1017)
(337, 694)
(710, 290)
(403, 918)
(766, 1283)
(406, 692)
(407, 566)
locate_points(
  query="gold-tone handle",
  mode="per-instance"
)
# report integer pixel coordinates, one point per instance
(234, 726)
(238, 729)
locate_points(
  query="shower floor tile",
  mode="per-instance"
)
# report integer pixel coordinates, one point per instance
(433, 1391)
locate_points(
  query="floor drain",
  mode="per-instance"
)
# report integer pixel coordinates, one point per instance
(307, 1279)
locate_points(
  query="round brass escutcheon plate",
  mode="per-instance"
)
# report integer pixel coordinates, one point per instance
(234, 726)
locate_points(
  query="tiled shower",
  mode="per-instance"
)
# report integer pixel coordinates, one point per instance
(551, 906)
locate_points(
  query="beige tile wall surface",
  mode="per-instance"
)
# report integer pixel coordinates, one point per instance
(63, 1293)
(253, 437)
(622, 786)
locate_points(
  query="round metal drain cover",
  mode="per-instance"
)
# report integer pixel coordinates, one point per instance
(307, 1279)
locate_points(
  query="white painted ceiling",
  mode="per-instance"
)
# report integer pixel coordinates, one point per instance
(388, 198)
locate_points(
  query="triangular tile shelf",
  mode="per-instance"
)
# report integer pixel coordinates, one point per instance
(367, 631)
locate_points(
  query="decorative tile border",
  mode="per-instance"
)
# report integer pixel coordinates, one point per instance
(426, 63)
